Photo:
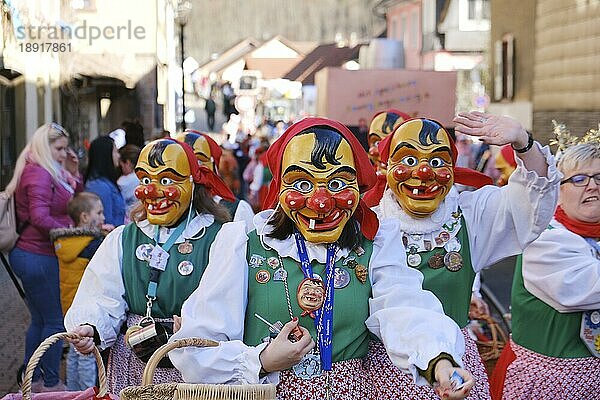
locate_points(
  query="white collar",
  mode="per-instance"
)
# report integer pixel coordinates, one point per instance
(389, 208)
(287, 247)
(198, 223)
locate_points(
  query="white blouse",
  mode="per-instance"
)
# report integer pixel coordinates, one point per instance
(99, 300)
(409, 320)
(501, 221)
(563, 270)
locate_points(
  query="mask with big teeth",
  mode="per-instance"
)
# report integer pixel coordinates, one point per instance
(319, 190)
(420, 168)
(381, 126)
(165, 186)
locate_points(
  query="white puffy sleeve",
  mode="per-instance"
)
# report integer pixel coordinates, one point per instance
(216, 310)
(501, 222)
(245, 213)
(560, 269)
(409, 321)
(99, 300)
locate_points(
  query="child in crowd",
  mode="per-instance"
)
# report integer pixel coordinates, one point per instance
(74, 248)
(128, 180)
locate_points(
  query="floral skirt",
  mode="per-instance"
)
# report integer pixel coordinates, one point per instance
(348, 380)
(125, 369)
(392, 383)
(533, 376)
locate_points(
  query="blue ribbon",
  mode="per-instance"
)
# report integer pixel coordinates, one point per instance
(155, 273)
(324, 315)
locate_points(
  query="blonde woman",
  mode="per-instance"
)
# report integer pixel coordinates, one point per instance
(45, 179)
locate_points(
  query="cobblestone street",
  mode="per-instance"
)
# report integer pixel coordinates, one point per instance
(12, 333)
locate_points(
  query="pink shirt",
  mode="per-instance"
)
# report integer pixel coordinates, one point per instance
(42, 202)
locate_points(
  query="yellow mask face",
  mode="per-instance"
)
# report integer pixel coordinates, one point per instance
(319, 201)
(381, 126)
(165, 185)
(419, 170)
(201, 149)
(505, 170)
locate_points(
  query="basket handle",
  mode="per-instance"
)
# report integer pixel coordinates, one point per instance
(494, 328)
(165, 348)
(39, 352)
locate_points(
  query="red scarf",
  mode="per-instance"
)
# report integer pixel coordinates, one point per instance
(464, 176)
(584, 229)
(205, 176)
(364, 172)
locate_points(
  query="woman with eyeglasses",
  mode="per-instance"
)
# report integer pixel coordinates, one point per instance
(45, 179)
(556, 295)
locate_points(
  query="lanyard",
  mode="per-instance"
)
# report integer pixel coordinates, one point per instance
(323, 316)
(155, 272)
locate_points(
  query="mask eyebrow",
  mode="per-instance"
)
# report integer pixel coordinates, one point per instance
(344, 169)
(402, 144)
(164, 171)
(200, 153)
(442, 149)
(295, 168)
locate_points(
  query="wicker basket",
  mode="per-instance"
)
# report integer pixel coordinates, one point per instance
(189, 391)
(39, 352)
(490, 350)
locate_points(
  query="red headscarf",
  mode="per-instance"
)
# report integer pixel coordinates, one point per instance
(215, 149)
(364, 172)
(203, 175)
(509, 155)
(463, 176)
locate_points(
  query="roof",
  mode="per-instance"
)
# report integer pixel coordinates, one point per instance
(327, 55)
(232, 54)
(271, 68)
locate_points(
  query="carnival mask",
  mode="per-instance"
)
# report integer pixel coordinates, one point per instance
(505, 164)
(319, 189)
(200, 146)
(381, 126)
(420, 167)
(165, 182)
(310, 296)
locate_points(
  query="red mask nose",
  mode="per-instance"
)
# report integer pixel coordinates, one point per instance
(424, 172)
(374, 151)
(146, 192)
(321, 202)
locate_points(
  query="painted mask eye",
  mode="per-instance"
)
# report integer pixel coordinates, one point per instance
(335, 185)
(410, 161)
(303, 186)
(145, 180)
(166, 181)
(437, 162)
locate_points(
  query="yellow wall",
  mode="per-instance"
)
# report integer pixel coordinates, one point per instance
(567, 55)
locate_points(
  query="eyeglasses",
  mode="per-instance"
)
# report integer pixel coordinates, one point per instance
(582, 180)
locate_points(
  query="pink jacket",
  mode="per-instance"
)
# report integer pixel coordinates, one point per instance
(42, 203)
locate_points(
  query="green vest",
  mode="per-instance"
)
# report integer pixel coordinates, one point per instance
(539, 327)
(351, 305)
(173, 287)
(453, 289)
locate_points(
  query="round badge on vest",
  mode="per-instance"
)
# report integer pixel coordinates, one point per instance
(142, 252)
(453, 261)
(341, 278)
(263, 276)
(185, 268)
